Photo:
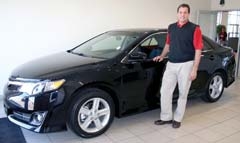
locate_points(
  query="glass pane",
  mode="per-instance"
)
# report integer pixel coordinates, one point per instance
(107, 45)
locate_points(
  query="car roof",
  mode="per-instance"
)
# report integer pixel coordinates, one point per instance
(141, 30)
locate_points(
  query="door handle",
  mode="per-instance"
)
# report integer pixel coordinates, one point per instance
(211, 57)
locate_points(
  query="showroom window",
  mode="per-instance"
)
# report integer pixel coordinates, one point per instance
(219, 18)
(233, 23)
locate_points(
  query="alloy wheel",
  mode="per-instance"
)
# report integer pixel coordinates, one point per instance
(94, 115)
(216, 87)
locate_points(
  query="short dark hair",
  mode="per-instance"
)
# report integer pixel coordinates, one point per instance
(184, 5)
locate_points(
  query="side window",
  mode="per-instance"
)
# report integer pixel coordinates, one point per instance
(161, 38)
(153, 46)
(150, 42)
(146, 42)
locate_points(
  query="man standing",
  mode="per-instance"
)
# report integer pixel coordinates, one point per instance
(183, 46)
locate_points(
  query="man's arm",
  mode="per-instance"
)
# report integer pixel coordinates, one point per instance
(163, 54)
(165, 50)
(197, 59)
(198, 45)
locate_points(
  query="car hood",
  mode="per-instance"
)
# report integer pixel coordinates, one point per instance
(52, 64)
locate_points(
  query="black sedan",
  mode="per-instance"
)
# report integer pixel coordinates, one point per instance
(109, 75)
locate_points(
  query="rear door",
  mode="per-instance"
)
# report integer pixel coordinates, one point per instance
(206, 67)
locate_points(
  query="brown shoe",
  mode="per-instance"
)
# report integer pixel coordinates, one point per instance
(161, 122)
(176, 124)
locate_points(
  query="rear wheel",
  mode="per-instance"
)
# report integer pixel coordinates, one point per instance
(91, 113)
(214, 88)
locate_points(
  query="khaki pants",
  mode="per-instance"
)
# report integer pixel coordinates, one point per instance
(175, 73)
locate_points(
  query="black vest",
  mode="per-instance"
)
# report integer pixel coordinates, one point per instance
(181, 42)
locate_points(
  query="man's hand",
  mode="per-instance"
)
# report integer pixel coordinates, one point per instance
(193, 75)
(163, 54)
(158, 58)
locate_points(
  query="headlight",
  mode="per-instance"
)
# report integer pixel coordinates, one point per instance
(53, 85)
(38, 88)
(32, 88)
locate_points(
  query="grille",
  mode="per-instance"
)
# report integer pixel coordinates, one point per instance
(22, 116)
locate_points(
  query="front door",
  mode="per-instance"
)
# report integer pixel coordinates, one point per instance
(141, 78)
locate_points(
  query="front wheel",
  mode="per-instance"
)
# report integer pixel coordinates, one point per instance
(214, 88)
(91, 113)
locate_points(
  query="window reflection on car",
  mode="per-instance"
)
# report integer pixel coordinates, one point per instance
(107, 45)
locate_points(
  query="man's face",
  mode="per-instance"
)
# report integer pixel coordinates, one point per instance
(183, 14)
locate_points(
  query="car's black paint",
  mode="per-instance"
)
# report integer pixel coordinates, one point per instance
(130, 77)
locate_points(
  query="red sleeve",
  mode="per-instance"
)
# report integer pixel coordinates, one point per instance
(168, 39)
(197, 39)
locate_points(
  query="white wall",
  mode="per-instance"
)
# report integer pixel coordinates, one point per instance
(34, 28)
(229, 5)
(207, 21)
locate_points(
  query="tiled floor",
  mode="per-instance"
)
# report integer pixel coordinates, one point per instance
(204, 123)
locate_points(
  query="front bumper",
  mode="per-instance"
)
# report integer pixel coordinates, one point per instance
(16, 119)
(39, 113)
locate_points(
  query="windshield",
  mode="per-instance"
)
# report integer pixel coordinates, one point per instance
(107, 45)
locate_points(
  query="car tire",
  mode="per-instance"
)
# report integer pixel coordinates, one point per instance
(214, 88)
(91, 113)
